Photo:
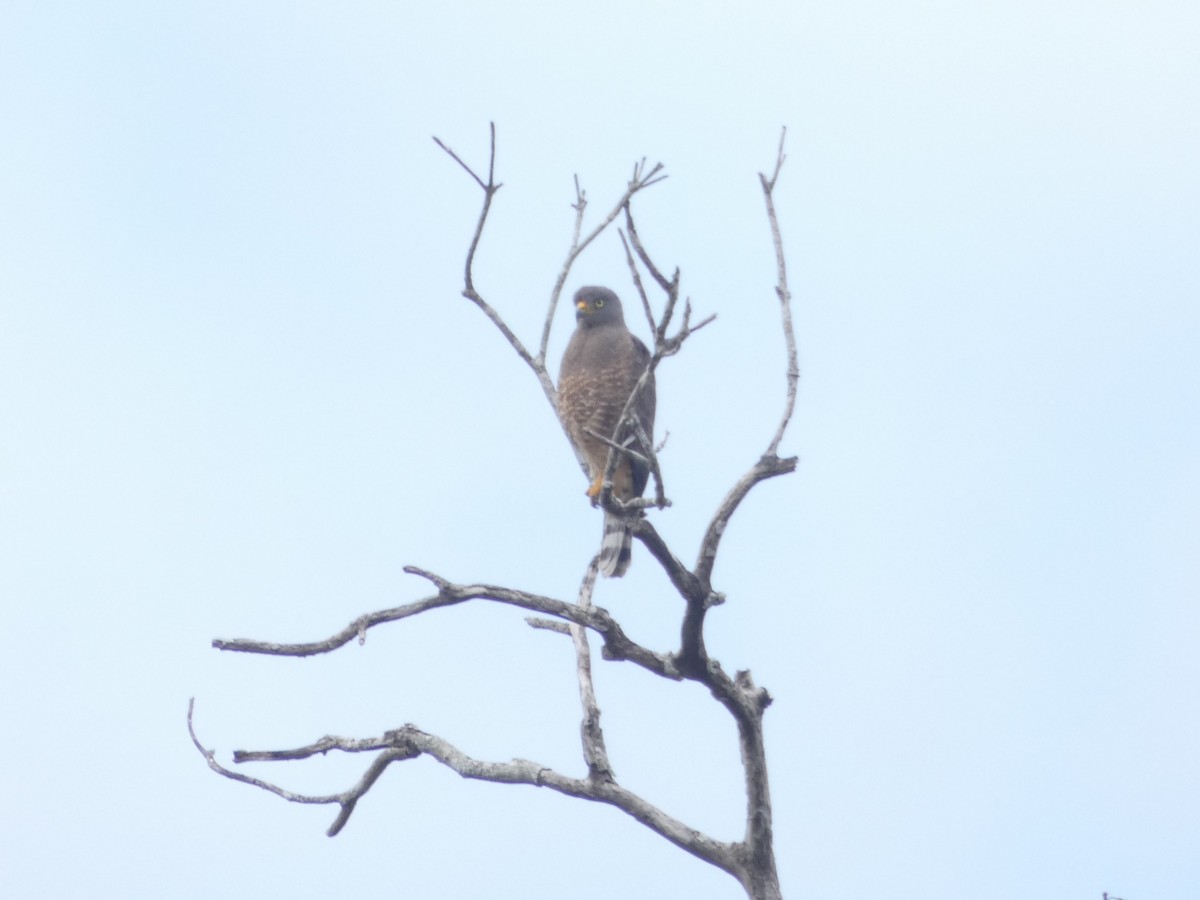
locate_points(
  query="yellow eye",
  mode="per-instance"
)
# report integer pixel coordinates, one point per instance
(599, 302)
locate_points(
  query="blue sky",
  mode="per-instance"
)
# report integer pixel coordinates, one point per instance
(241, 391)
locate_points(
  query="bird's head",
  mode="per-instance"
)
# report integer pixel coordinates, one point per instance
(597, 306)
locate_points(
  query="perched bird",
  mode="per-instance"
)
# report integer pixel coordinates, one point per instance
(600, 368)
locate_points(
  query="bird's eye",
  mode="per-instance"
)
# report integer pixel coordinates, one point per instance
(599, 302)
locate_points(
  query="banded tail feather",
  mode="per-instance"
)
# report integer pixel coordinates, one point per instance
(616, 547)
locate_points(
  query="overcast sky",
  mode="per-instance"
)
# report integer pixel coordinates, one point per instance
(240, 390)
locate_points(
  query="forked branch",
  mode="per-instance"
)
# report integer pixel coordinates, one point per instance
(490, 187)
(409, 742)
(642, 178)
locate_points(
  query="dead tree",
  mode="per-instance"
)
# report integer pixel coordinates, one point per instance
(750, 860)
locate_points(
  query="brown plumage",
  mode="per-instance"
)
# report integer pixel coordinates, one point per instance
(600, 368)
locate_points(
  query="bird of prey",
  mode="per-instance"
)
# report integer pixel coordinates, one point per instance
(600, 369)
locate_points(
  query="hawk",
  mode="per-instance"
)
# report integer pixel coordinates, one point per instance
(600, 368)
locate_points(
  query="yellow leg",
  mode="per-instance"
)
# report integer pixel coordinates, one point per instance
(597, 486)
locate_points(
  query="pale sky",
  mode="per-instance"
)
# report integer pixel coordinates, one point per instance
(240, 391)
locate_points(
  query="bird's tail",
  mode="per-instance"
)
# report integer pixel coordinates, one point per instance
(616, 547)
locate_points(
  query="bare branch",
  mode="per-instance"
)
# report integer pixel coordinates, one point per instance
(660, 493)
(458, 159)
(617, 645)
(669, 286)
(595, 754)
(579, 206)
(770, 464)
(640, 181)
(671, 346)
(621, 449)
(489, 191)
(766, 467)
(780, 157)
(684, 581)
(637, 281)
(724, 856)
(409, 742)
(365, 783)
(357, 628)
(346, 799)
(319, 747)
(548, 625)
(785, 298)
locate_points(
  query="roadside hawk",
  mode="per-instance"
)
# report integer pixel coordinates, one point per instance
(600, 368)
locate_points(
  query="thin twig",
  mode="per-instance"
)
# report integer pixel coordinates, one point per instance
(637, 282)
(785, 298)
(621, 449)
(346, 799)
(548, 625)
(458, 159)
(640, 181)
(660, 492)
(669, 286)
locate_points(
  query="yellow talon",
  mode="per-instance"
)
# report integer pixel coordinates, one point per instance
(597, 486)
